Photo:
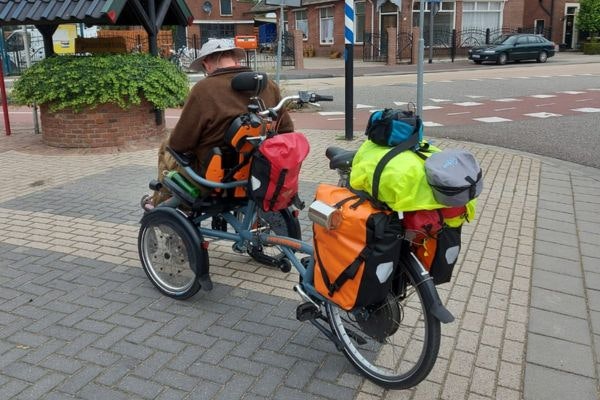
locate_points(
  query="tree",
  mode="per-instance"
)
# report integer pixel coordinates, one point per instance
(588, 18)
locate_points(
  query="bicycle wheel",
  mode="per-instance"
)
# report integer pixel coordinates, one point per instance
(282, 223)
(168, 254)
(394, 344)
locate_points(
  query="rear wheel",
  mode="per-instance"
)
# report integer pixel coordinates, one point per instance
(168, 254)
(394, 344)
(502, 58)
(542, 57)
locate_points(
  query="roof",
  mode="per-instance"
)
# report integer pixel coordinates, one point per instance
(91, 12)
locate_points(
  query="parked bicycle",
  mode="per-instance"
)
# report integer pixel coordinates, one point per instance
(182, 58)
(394, 343)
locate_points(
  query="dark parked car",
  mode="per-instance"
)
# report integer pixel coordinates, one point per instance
(514, 48)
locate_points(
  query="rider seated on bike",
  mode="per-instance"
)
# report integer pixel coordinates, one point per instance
(211, 106)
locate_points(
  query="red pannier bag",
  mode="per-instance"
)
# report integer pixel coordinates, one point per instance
(275, 170)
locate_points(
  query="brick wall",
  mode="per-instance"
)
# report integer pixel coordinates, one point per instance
(513, 14)
(105, 125)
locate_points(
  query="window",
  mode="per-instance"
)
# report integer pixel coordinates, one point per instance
(443, 22)
(216, 31)
(359, 22)
(302, 23)
(326, 25)
(225, 7)
(482, 14)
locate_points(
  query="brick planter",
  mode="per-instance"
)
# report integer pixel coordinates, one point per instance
(102, 126)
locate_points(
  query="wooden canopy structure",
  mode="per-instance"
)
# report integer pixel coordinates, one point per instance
(46, 15)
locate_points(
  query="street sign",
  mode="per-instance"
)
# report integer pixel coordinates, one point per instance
(289, 3)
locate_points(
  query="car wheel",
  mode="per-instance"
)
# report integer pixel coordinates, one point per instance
(542, 57)
(501, 59)
(477, 61)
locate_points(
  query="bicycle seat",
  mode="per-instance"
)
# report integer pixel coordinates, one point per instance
(339, 158)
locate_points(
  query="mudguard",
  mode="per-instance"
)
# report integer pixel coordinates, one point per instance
(178, 218)
(430, 295)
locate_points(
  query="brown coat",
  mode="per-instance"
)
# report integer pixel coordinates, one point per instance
(211, 106)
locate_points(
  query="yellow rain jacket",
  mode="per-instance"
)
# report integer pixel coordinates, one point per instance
(403, 185)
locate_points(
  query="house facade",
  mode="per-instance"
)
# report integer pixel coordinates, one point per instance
(219, 19)
(322, 21)
(559, 17)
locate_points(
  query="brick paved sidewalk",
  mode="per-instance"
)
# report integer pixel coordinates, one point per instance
(79, 319)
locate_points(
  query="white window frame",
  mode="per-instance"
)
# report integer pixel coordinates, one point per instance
(575, 30)
(327, 18)
(296, 12)
(478, 8)
(415, 12)
(221, 8)
(364, 22)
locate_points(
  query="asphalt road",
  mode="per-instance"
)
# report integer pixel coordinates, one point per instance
(571, 138)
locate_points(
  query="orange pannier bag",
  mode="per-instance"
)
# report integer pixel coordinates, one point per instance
(356, 260)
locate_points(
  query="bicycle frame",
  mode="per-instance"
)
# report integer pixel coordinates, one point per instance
(244, 232)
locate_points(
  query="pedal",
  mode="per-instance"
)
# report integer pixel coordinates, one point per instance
(306, 311)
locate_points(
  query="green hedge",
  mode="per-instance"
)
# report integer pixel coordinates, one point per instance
(78, 82)
(591, 48)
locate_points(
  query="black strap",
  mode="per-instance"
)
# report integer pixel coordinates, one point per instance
(280, 182)
(350, 271)
(412, 141)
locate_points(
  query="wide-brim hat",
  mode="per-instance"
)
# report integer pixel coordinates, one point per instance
(215, 46)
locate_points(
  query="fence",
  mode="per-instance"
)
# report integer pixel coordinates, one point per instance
(12, 51)
(404, 47)
(450, 43)
(375, 47)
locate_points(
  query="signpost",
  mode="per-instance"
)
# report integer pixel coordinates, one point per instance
(281, 4)
(434, 6)
(349, 68)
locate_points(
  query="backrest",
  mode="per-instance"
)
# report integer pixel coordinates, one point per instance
(232, 161)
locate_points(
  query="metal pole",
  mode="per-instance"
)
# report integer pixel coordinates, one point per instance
(349, 69)
(431, 5)
(3, 98)
(420, 60)
(36, 125)
(280, 39)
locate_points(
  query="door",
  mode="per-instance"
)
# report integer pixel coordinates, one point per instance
(520, 51)
(569, 25)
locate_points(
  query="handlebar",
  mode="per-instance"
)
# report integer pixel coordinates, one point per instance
(301, 98)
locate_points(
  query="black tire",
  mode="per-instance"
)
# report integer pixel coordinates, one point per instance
(416, 336)
(168, 252)
(282, 223)
(502, 58)
(542, 57)
(477, 61)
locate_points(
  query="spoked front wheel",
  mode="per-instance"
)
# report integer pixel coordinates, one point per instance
(170, 254)
(395, 343)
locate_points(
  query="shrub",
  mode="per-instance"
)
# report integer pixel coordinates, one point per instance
(592, 47)
(78, 82)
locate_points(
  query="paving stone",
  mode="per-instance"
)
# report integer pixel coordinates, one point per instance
(559, 326)
(557, 265)
(543, 383)
(565, 356)
(558, 302)
(558, 282)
